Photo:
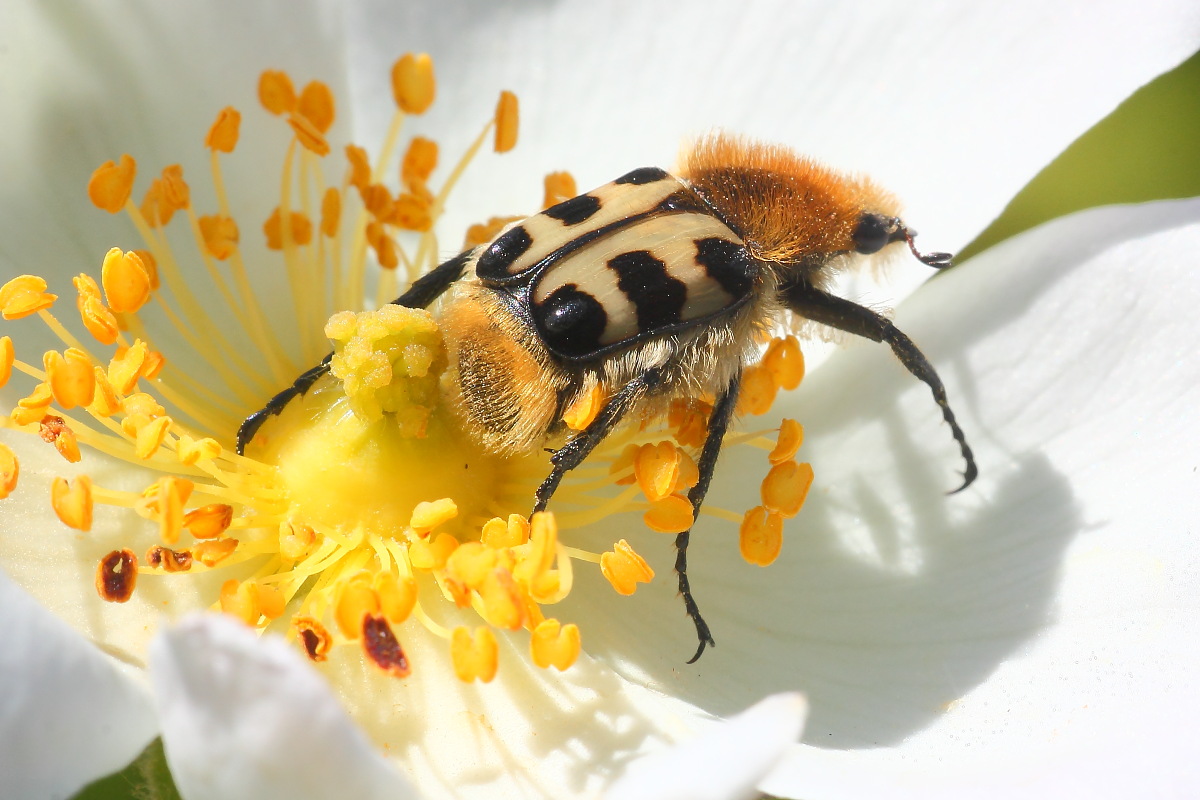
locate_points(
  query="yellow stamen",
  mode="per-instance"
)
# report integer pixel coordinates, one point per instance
(785, 361)
(296, 540)
(506, 122)
(111, 184)
(397, 596)
(215, 551)
(498, 533)
(420, 160)
(791, 436)
(670, 514)
(475, 655)
(428, 515)
(56, 431)
(168, 560)
(331, 212)
(275, 92)
(412, 213)
(210, 521)
(356, 599)
(360, 167)
(170, 495)
(757, 392)
(585, 408)
(484, 232)
(309, 135)
(553, 644)
(150, 436)
(71, 377)
(503, 603)
(24, 295)
(10, 470)
(624, 568)
(72, 502)
(316, 105)
(760, 537)
(786, 486)
(220, 236)
(301, 229)
(7, 356)
(222, 137)
(413, 84)
(193, 451)
(559, 186)
(656, 468)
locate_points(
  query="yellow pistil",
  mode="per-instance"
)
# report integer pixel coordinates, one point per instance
(361, 514)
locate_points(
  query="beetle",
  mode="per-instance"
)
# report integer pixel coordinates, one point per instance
(657, 287)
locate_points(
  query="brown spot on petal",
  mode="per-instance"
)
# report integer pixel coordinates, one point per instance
(382, 648)
(116, 576)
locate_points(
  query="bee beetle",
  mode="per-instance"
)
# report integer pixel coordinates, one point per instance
(656, 286)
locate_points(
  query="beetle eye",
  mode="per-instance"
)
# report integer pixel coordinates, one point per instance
(874, 232)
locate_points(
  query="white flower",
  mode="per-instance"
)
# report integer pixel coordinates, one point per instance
(1038, 623)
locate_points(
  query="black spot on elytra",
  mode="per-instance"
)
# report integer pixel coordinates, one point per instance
(642, 176)
(500, 255)
(575, 210)
(571, 321)
(727, 263)
(657, 297)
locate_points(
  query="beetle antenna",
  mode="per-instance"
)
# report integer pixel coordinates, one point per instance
(935, 260)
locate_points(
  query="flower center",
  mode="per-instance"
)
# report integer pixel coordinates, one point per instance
(362, 506)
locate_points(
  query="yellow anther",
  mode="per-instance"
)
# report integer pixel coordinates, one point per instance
(785, 361)
(10, 470)
(553, 644)
(689, 473)
(314, 636)
(142, 405)
(412, 213)
(152, 208)
(309, 135)
(170, 495)
(316, 105)
(86, 286)
(331, 212)
(168, 560)
(105, 401)
(506, 122)
(475, 655)
(175, 193)
(193, 451)
(237, 601)
(377, 200)
(470, 563)
(382, 244)
(152, 364)
(151, 266)
(24, 295)
(559, 186)
(486, 231)
(269, 600)
(111, 184)
(503, 603)
(215, 551)
(356, 599)
(220, 236)
(656, 468)
(786, 486)
(222, 137)
(413, 84)
(70, 376)
(760, 537)
(498, 533)
(584, 409)
(150, 437)
(56, 431)
(671, 514)
(126, 280)
(32, 408)
(360, 166)
(432, 553)
(100, 322)
(301, 229)
(397, 596)
(72, 502)
(428, 515)
(275, 92)
(791, 436)
(116, 576)
(208, 522)
(624, 568)
(420, 160)
(126, 367)
(296, 540)
(543, 547)
(689, 418)
(624, 462)
(757, 392)
(7, 356)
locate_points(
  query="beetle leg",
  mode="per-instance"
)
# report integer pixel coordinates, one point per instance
(573, 453)
(422, 292)
(837, 312)
(718, 423)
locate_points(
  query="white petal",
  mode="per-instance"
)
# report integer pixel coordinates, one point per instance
(724, 763)
(953, 107)
(247, 717)
(68, 714)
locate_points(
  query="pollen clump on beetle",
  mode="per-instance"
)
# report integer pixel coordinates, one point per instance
(361, 515)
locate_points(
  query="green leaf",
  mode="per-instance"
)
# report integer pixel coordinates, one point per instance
(146, 778)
